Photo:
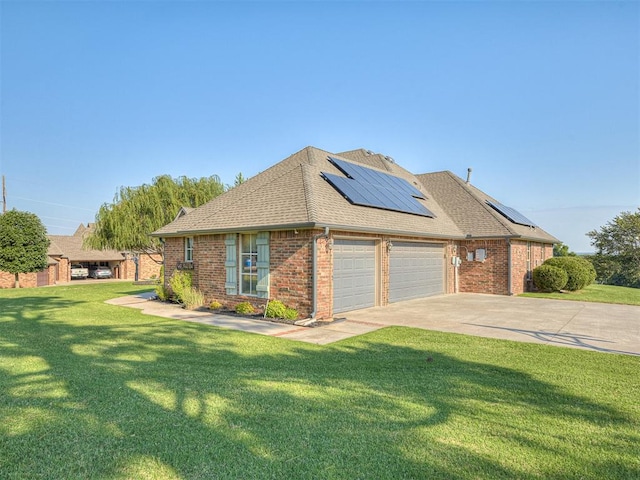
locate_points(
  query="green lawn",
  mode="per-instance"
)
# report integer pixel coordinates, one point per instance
(596, 293)
(95, 391)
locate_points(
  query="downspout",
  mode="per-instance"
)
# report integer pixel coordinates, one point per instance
(509, 266)
(314, 268)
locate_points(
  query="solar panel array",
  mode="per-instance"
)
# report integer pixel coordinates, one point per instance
(375, 177)
(371, 188)
(511, 214)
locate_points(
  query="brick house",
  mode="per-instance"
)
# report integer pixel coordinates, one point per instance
(67, 250)
(328, 233)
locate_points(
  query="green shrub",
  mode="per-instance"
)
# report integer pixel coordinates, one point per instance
(275, 309)
(215, 305)
(548, 278)
(161, 275)
(244, 308)
(180, 282)
(162, 292)
(192, 298)
(579, 270)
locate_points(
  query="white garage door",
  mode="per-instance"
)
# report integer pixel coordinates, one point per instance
(354, 275)
(416, 270)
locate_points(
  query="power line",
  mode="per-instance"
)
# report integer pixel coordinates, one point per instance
(56, 204)
(60, 226)
(62, 219)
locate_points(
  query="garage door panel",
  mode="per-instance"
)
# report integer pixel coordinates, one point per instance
(353, 275)
(416, 270)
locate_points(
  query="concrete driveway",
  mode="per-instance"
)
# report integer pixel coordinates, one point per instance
(593, 326)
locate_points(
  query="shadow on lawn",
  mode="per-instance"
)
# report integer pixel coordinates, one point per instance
(161, 399)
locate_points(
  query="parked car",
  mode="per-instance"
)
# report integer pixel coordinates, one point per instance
(79, 272)
(100, 272)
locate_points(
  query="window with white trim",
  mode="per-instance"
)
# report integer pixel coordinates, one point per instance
(188, 249)
(248, 264)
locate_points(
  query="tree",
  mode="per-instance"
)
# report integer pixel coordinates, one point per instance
(617, 258)
(23, 243)
(239, 179)
(125, 224)
(562, 250)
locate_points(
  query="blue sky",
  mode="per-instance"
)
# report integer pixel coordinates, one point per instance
(541, 99)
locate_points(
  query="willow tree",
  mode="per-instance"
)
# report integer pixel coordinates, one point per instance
(23, 243)
(125, 224)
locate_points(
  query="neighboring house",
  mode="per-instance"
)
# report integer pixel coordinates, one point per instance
(67, 250)
(328, 233)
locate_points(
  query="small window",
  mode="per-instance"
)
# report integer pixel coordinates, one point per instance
(188, 249)
(249, 264)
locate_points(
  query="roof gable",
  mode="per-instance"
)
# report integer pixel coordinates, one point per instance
(71, 247)
(471, 209)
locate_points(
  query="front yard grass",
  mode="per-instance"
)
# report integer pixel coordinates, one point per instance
(596, 293)
(89, 390)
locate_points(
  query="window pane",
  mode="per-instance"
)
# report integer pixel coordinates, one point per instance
(188, 249)
(249, 284)
(246, 243)
(249, 264)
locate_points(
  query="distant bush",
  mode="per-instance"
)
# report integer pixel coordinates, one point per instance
(579, 270)
(215, 305)
(244, 308)
(548, 278)
(291, 314)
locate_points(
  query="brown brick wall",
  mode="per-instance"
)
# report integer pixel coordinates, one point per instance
(148, 267)
(492, 275)
(489, 276)
(209, 254)
(173, 253)
(64, 270)
(324, 277)
(521, 280)
(291, 265)
(27, 280)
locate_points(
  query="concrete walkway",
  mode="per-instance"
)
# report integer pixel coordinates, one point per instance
(592, 326)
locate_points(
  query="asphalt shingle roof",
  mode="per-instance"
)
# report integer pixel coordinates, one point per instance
(293, 194)
(467, 206)
(70, 246)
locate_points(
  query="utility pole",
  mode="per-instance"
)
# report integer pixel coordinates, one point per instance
(4, 195)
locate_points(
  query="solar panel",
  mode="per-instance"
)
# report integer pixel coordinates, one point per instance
(370, 188)
(511, 214)
(375, 177)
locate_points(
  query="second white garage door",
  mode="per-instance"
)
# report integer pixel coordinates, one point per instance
(416, 270)
(354, 275)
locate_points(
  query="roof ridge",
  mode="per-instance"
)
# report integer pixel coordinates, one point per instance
(468, 188)
(309, 197)
(258, 186)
